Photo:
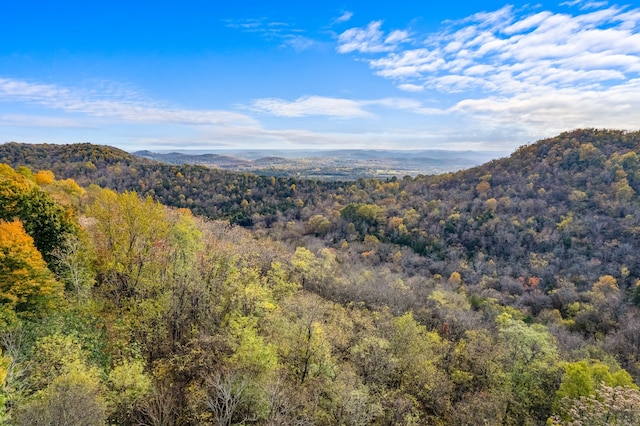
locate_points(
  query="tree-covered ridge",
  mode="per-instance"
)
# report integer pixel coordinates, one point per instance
(329, 311)
(214, 193)
(566, 203)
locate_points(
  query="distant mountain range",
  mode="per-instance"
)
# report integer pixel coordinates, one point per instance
(334, 164)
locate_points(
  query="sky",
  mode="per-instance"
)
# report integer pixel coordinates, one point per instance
(215, 75)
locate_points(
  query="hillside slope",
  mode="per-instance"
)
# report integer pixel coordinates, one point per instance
(560, 209)
(504, 294)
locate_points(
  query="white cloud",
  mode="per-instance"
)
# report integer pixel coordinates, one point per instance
(370, 39)
(436, 137)
(585, 4)
(336, 107)
(346, 16)
(311, 105)
(480, 69)
(395, 37)
(298, 42)
(510, 51)
(546, 112)
(127, 107)
(410, 63)
(488, 43)
(96, 113)
(408, 87)
(21, 120)
(507, 76)
(285, 32)
(527, 23)
(537, 70)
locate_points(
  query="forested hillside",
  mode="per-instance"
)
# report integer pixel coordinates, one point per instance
(503, 294)
(572, 197)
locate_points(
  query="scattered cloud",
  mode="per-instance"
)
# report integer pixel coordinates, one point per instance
(284, 32)
(494, 79)
(539, 68)
(554, 111)
(395, 37)
(408, 87)
(21, 120)
(602, 44)
(311, 105)
(346, 16)
(144, 123)
(370, 39)
(337, 107)
(297, 42)
(585, 4)
(110, 105)
(403, 104)
(453, 138)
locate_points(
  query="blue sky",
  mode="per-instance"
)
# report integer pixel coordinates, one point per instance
(286, 74)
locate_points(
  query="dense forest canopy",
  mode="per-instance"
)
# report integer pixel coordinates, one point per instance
(503, 294)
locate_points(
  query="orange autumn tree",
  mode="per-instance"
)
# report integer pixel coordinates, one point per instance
(46, 221)
(27, 286)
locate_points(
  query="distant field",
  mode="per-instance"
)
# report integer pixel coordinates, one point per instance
(331, 165)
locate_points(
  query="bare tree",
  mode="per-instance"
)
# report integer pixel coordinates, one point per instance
(160, 408)
(225, 396)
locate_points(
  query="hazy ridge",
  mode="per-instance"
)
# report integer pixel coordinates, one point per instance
(331, 164)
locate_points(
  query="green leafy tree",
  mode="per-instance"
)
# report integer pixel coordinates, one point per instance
(128, 386)
(583, 378)
(532, 367)
(419, 355)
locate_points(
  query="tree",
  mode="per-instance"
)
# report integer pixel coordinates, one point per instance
(226, 393)
(44, 177)
(419, 355)
(374, 360)
(609, 405)
(48, 223)
(72, 399)
(27, 286)
(5, 362)
(584, 378)
(533, 370)
(319, 225)
(304, 345)
(68, 390)
(74, 262)
(130, 235)
(479, 365)
(128, 386)
(606, 285)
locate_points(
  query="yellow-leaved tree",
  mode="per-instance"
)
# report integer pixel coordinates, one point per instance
(27, 286)
(46, 221)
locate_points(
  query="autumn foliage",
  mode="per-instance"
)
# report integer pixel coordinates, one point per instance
(505, 294)
(27, 286)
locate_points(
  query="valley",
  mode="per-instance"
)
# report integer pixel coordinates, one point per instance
(332, 165)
